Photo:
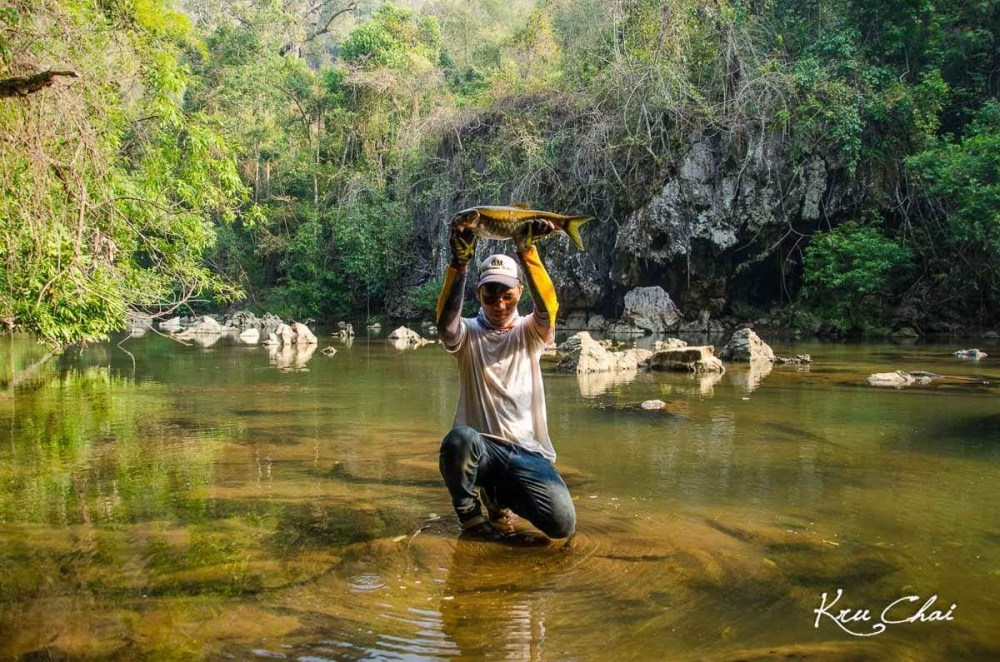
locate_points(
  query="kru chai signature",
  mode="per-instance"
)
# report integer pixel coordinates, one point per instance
(862, 622)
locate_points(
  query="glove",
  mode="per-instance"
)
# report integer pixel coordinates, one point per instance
(532, 232)
(463, 246)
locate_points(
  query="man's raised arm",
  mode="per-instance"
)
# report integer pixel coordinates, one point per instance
(543, 292)
(449, 305)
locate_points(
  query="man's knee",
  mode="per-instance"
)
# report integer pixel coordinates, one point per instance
(561, 521)
(459, 442)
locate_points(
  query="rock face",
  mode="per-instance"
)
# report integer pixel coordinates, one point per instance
(707, 231)
(650, 308)
(745, 346)
(697, 359)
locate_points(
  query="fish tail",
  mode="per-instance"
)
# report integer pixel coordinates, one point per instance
(573, 228)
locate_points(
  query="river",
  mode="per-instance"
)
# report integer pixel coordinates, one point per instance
(183, 502)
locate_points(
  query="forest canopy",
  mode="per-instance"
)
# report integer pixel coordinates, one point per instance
(285, 156)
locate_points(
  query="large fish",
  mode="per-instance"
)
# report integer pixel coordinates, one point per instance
(509, 222)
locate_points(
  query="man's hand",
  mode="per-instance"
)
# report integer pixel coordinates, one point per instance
(463, 246)
(532, 232)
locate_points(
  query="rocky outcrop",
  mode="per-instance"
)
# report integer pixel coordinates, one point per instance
(696, 359)
(745, 346)
(581, 354)
(405, 338)
(651, 309)
(302, 334)
(205, 325)
(243, 320)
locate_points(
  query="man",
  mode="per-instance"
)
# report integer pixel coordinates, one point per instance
(500, 441)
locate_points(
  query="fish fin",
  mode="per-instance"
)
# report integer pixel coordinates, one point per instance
(573, 229)
(520, 205)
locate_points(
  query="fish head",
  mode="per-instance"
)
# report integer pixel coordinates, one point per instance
(467, 218)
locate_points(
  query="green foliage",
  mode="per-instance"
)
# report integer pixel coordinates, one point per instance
(850, 274)
(109, 188)
(964, 178)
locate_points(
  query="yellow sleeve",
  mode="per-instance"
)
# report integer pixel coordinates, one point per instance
(542, 289)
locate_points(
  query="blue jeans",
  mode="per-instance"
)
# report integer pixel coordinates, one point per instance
(514, 477)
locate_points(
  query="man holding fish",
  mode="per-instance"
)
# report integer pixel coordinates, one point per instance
(500, 442)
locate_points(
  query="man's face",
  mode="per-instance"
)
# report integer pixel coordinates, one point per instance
(499, 302)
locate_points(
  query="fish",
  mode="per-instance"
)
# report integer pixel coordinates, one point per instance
(509, 222)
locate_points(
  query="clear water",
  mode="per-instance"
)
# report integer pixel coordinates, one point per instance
(191, 502)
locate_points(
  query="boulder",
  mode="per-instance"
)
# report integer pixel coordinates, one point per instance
(285, 334)
(581, 354)
(269, 323)
(697, 359)
(669, 343)
(205, 325)
(375, 326)
(250, 336)
(745, 346)
(171, 325)
(141, 322)
(991, 335)
(303, 336)
(404, 338)
(653, 405)
(650, 308)
(347, 331)
(404, 333)
(272, 340)
(973, 354)
(243, 320)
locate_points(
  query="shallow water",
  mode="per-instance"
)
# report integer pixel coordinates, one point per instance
(188, 502)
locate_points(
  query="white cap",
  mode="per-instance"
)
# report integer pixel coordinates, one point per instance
(499, 269)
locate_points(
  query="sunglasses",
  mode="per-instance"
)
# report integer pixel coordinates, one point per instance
(491, 293)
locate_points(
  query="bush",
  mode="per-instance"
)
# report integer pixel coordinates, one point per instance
(850, 274)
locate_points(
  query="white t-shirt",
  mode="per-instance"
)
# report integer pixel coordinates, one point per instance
(500, 391)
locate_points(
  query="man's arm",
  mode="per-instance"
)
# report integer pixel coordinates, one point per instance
(543, 292)
(449, 305)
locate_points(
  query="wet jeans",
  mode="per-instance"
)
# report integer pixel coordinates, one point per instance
(514, 478)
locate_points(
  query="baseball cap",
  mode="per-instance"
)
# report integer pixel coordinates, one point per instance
(499, 269)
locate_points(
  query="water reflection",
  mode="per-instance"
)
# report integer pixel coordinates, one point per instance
(593, 384)
(290, 358)
(749, 380)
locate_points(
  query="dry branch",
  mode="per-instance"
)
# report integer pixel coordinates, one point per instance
(22, 86)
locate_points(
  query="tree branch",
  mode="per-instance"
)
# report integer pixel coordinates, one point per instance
(22, 86)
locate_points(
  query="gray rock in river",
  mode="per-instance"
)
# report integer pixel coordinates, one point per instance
(745, 346)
